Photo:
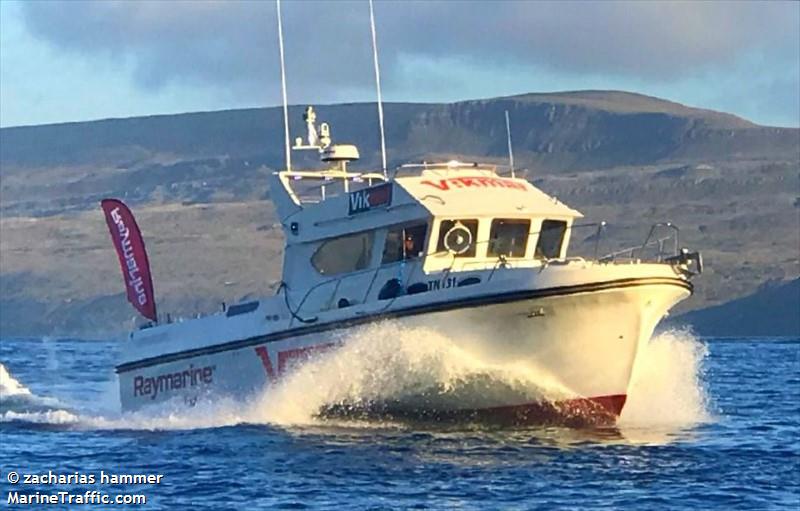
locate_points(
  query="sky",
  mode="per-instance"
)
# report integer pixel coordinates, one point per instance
(82, 60)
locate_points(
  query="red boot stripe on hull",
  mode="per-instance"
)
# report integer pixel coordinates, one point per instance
(605, 404)
(614, 404)
(580, 412)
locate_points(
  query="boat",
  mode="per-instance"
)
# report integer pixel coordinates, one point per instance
(442, 245)
(470, 248)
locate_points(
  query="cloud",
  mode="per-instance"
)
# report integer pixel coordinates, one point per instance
(233, 45)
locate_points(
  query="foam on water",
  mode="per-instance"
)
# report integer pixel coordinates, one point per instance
(17, 398)
(666, 387)
(388, 362)
(9, 386)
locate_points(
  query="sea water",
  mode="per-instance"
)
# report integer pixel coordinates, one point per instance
(709, 424)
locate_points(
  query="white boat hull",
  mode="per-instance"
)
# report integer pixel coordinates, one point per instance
(581, 345)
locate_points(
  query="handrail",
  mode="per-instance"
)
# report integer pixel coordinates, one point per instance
(649, 241)
(315, 193)
(285, 287)
(653, 229)
(336, 279)
(611, 256)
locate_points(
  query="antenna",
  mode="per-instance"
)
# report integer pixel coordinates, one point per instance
(510, 150)
(378, 85)
(283, 90)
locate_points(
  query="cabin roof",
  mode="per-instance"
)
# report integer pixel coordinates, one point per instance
(481, 193)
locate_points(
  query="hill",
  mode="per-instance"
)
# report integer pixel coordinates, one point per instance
(583, 129)
(773, 310)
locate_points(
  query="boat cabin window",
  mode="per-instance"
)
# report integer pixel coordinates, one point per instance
(403, 243)
(458, 237)
(551, 236)
(344, 254)
(509, 237)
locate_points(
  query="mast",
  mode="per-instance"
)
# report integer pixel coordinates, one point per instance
(283, 90)
(378, 85)
(510, 150)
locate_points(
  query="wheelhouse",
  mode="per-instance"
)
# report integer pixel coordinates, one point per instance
(409, 232)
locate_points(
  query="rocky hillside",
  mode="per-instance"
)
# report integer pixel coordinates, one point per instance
(585, 129)
(197, 182)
